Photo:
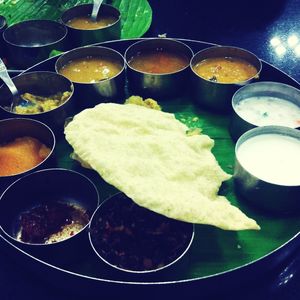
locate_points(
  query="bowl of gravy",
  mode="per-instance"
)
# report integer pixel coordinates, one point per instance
(95, 71)
(83, 31)
(218, 72)
(158, 67)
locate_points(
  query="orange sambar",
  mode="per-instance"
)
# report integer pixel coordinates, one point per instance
(85, 22)
(158, 61)
(225, 69)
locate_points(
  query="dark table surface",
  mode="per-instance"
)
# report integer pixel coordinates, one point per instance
(268, 28)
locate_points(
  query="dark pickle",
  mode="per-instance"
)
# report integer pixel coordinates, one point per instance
(133, 238)
(39, 223)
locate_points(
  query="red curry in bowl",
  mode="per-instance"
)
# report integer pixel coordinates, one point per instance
(134, 239)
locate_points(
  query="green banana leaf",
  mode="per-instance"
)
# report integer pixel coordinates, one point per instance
(135, 21)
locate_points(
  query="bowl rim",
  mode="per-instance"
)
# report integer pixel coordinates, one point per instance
(35, 22)
(151, 271)
(45, 159)
(63, 55)
(211, 48)
(44, 171)
(72, 89)
(94, 29)
(149, 40)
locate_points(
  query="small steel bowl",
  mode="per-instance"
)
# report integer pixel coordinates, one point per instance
(3, 26)
(29, 42)
(215, 95)
(46, 188)
(240, 123)
(158, 85)
(40, 83)
(82, 37)
(263, 190)
(123, 233)
(10, 129)
(111, 89)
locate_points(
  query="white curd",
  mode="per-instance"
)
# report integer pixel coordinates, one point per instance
(265, 110)
(274, 158)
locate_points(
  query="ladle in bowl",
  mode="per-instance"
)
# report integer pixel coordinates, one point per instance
(96, 7)
(16, 99)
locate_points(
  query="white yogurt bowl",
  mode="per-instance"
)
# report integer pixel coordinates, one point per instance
(262, 104)
(267, 168)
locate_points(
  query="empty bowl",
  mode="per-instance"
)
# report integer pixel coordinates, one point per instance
(29, 42)
(133, 239)
(98, 74)
(267, 168)
(218, 72)
(82, 31)
(47, 212)
(264, 103)
(25, 146)
(46, 96)
(158, 67)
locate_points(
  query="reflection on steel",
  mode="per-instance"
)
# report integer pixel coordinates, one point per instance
(280, 50)
(297, 51)
(292, 40)
(275, 41)
(282, 44)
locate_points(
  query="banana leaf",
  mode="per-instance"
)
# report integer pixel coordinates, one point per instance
(135, 21)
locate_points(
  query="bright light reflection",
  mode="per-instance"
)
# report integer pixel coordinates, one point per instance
(297, 50)
(275, 41)
(293, 40)
(280, 50)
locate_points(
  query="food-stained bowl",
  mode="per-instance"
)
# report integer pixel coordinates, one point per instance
(110, 87)
(267, 168)
(264, 103)
(29, 42)
(215, 95)
(158, 67)
(81, 37)
(46, 213)
(14, 128)
(43, 84)
(3, 26)
(133, 239)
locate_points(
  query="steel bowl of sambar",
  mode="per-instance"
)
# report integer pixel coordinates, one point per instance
(218, 72)
(98, 74)
(158, 67)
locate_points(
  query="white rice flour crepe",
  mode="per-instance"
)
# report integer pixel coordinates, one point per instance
(147, 155)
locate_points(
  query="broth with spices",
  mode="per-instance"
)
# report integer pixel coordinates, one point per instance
(225, 69)
(91, 69)
(85, 22)
(158, 61)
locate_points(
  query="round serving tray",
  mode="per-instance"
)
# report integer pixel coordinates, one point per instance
(217, 259)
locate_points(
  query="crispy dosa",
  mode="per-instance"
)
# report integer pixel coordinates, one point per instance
(147, 155)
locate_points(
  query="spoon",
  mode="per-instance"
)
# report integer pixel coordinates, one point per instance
(7, 80)
(96, 6)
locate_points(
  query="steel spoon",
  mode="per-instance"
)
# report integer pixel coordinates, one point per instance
(13, 89)
(96, 6)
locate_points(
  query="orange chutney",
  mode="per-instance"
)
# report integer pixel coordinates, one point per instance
(21, 154)
(158, 61)
(225, 69)
(85, 22)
